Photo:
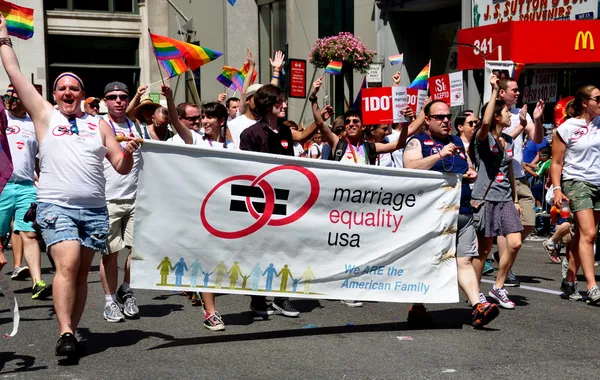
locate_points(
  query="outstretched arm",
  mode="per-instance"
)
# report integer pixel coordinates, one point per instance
(181, 129)
(277, 63)
(330, 137)
(307, 132)
(135, 101)
(535, 130)
(482, 134)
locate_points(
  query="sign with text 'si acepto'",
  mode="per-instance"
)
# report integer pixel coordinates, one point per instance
(448, 87)
(386, 104)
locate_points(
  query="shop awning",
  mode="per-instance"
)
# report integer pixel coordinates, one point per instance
(540, 43)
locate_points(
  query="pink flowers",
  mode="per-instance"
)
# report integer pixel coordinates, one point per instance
(344, 47)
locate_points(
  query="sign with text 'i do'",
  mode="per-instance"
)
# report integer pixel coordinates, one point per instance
(384, 105)
(448, 87)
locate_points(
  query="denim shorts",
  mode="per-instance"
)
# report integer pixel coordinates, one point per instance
(88, 226)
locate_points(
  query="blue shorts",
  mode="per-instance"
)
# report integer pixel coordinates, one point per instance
(88, 226)
(15, 200)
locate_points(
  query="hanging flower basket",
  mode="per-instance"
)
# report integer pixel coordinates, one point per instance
(344, 47)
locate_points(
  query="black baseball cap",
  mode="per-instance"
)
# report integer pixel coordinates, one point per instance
(116, 86)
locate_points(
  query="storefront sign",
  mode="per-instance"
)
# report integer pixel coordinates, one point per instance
(543, 86)
(297, 78)
(486, 12)
(374, 75)
(447, 87)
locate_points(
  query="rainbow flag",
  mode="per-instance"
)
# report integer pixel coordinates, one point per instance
(420, 82)
(174, 67)
(518, 70)
(239, 77)
(334, 68)
(226, 76)
(396, 59)
(19, 20)
(166, 49)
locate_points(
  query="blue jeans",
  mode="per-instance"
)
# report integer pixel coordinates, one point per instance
(88, 226)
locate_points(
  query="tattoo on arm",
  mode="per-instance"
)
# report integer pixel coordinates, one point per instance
(412, 145)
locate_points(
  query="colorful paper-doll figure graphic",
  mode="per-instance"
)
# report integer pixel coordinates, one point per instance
(195, 268)
(221, 270)
(244, 281)
(256, 274)
(164, 267)
(234, 273)
(308, 276)
(270, 272)
(179, 268)
(284, 274)
(295, 282)
(206, 278)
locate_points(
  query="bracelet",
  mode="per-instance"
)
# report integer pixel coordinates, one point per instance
(5, 41)
(440, 153)
(313, 99)
(275, 77)
(557, 188)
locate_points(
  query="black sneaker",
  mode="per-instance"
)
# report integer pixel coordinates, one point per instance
(570, 292)
(284, 306)
(259, 306)
(511, 280)
(67, 345)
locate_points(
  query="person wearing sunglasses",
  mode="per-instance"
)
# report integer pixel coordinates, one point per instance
(465, 125)
(575, 177)
(91, 106)
(439, 150)
(72, 211)
(20, 192)
(189, 115)
(120, 195)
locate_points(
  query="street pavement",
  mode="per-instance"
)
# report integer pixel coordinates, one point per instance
(545, 337)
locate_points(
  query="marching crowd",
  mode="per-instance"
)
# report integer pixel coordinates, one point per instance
(76, 172)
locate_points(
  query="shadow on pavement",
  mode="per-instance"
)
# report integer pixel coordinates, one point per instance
(25, 364)
(533, 279)
(159, 310)
(100, 342)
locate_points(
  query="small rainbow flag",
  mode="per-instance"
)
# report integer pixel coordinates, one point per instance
(518, 70)
(19, 20)
(226, 76)
(166, 49)
(420, 82)
(396, 59)
(174, 67)
(239, 77)
(334, 68)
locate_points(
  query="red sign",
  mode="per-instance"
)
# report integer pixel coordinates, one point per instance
(415, 99)
(563, 42)
(439, 87)
(377, 105)
(297, 78)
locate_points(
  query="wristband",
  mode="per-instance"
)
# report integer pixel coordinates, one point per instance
(275, 77)
(313, 99)
(6, 41)
(557, 188)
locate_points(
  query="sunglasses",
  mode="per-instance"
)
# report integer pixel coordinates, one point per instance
(471, 123)
(74, 130)
(596, 98)
(9, 98)
(193, 119)
(351, 121)
(515, 90)
(114, 97)
(441, 117)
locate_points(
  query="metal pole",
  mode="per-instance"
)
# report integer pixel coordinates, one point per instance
(179, 12)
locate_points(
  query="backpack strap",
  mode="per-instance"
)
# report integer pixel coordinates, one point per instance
(371, 152)
(339, 150)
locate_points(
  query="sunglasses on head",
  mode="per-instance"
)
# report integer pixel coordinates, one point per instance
(351, 121)
(74, 130)
(114, 97)
(441, 117)
(191, 118)
(10, 98)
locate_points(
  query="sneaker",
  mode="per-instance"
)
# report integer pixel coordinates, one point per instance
(488, 267)
(501, 296)
(419, 316)
(112, 313)
(511, 280)
(40, 290)
(482, 298)
(570, 292)
(66, 345)
(130, 307)
(284, 306)
(593, 295)
(214, 322)
(197, 299)
(351, 303)
(484, 313)
(260, 307)
(551, 250)
(20, 273)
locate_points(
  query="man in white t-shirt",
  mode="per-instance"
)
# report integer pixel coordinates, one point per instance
(233, 108)
(509, 92)
(120, 193)
(249, 118)
(20, 192)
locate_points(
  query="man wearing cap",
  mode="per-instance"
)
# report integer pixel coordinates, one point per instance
(120, 199)
(20, 192)
(91, 106)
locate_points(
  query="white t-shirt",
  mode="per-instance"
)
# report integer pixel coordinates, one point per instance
(518, 141)
(23, 147)
(298, 149)
(582, 156)
(355, 155)
(203, 141)
(390, 159)
(178, 140)
(72, 165)
(315, 150)
(120, 186)
(238, 125)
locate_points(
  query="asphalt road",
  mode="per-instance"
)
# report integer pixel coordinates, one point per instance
(545, 337)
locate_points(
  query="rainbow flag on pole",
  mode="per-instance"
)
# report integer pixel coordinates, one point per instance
(19, 20)
(334, 68)
(174, 67)
(166, 49)
(226, 75)
(420, 82)
(239, 77)
(396, 59)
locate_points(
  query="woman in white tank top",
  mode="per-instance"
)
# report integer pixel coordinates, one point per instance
(72, 209)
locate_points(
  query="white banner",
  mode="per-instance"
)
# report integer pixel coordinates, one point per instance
(501, 69)
(247, 223)
(487, 12)
(544, 85)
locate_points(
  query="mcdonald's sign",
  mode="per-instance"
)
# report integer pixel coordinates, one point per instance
(583, 38)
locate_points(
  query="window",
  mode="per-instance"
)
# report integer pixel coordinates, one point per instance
(113, 6)
(272, 35)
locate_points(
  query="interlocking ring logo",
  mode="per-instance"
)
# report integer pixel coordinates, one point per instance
(579, 133)
(263, 219)
(13, 130)
(61, 130)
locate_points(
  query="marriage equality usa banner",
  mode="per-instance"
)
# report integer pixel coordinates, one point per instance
(222, 221)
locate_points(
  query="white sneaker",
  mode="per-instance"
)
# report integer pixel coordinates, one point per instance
(112, 312)
(501, 296)
(351, 303)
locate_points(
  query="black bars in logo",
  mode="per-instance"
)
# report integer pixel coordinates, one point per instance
(256, 192)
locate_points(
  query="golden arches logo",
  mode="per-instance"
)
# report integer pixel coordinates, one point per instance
(583, 38)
